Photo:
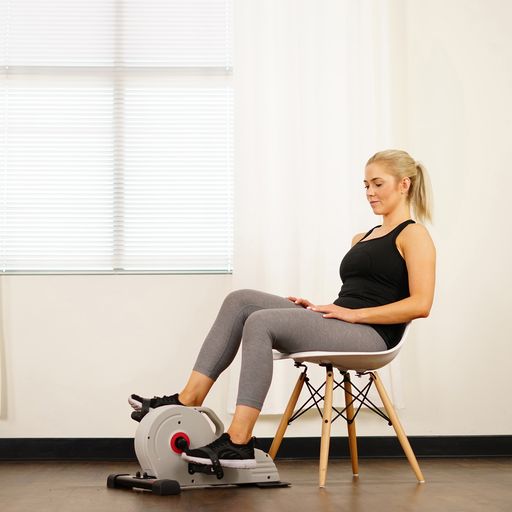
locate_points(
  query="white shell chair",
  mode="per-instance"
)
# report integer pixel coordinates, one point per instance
(362, 363)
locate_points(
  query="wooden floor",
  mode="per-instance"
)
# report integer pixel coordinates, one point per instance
(453, 485)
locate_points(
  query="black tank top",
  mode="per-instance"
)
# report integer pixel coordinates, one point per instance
(373, 274)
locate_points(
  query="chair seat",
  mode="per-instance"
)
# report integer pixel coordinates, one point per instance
(356, 361)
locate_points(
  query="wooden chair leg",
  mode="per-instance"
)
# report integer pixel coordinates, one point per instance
(351, 424)
(326, 425)
(285, 418)
(400, 433)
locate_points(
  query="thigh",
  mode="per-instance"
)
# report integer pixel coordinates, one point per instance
(299, 330)
(255, 300)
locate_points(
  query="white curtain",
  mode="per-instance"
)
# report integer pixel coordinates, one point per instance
(312, 103)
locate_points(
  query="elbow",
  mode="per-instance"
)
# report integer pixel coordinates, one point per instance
(423, 311)
(420, 306)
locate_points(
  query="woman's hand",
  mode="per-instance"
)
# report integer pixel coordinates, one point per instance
(338, 312)
(301, 302)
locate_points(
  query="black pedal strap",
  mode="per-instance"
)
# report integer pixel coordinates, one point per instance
(215, 461)
(145, 406)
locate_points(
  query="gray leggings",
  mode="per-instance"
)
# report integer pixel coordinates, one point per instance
(263, 322)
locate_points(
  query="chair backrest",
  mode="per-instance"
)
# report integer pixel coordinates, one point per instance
(357, 361)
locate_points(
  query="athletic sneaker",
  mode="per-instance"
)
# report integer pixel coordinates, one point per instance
(229, 454)
(143, 405)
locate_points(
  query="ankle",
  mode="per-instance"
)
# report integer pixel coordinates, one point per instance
(189, 400)
(239, 438)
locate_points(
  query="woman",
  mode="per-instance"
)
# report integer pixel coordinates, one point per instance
(388, 280)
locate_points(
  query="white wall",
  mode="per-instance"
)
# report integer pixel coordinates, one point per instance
(75, 346)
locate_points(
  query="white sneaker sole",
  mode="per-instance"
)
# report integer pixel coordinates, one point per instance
(226, 463)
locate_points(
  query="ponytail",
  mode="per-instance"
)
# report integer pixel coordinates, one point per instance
(421, 195)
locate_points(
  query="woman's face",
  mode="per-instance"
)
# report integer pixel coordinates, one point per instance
(383, 191)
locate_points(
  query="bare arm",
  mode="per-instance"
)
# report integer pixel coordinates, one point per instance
(420, 257)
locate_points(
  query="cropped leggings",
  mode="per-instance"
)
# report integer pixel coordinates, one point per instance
(262, 322)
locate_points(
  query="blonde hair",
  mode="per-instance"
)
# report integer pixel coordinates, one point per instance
(401, 165)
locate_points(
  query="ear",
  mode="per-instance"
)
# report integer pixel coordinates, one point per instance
(405, 184)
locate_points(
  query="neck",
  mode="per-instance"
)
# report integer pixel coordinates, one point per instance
(396, 217)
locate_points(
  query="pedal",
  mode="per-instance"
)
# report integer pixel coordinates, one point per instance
(207, 469)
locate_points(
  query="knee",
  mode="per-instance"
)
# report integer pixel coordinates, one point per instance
(257, 322)
(240, 298)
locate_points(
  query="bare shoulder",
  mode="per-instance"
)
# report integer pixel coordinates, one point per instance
(415, 231)
(357, 238)
(415, 236)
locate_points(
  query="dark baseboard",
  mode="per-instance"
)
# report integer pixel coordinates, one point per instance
(121, 449)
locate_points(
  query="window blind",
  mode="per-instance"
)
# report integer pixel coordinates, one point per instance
(116, 136)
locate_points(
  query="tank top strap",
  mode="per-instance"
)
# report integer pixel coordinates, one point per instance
(401, 227)
(369, 232)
